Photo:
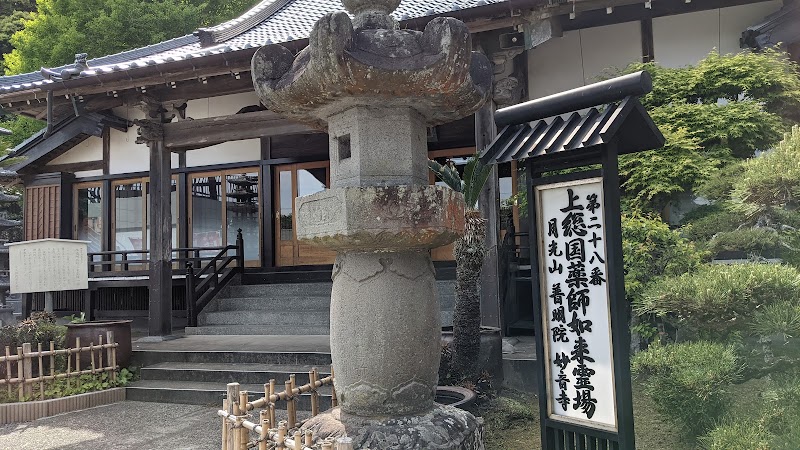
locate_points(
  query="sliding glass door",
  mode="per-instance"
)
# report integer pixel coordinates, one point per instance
(292, 181)
(221, 203)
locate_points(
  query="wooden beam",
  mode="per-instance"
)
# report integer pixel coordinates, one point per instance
(199, 133)
(592, 13)
(75, 167)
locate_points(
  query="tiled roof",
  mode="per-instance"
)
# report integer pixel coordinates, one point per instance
(288, 20)
(627, 122)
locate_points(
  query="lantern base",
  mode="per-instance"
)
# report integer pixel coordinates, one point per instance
(441, 428)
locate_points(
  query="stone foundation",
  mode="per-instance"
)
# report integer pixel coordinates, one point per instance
(442, 428)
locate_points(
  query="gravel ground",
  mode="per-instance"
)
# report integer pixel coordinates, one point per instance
(124, 425)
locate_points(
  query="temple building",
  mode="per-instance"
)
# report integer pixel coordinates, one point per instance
(218, 162)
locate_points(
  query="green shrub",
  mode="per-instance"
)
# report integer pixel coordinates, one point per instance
(781, 411)
(704, 222)
(718, 300)
(780, 318)
(739, 435)
(688, 382)
(752, 241)
(770, 181)
(651, 250)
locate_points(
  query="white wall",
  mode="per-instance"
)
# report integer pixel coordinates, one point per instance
(685, 39)
(227, 152)
(89, 150)
(579, 57)
(220, 106)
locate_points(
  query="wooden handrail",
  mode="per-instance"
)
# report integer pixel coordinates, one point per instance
(203, 283)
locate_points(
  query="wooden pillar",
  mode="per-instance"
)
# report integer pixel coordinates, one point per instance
(151, 132)
(265, 177)
(489, 205)
(65, 204)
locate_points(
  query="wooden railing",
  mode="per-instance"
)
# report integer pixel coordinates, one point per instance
(269, 432)
(23, 364)
(202, 285)
(113, 263)
(206, 274)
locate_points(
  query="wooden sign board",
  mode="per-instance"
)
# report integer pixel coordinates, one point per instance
(576, 315)
(46, 265)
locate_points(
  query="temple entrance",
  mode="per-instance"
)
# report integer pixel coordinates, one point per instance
(292, 181)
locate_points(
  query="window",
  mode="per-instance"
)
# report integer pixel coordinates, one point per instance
(88, 215)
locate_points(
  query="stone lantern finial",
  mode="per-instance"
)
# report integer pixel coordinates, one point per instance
(372, 14)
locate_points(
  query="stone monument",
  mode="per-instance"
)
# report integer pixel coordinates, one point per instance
(375, 88)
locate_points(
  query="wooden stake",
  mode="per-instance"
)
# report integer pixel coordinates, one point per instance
(232, 396)
(237, 437)
(271, 403)
(100, 352)
(290, 412)
(298, 440)
(244, 436)
(312, 375)
(91, 355)
(327, 445)
(27, 368)
(78, 360)
(281, 434)
(52, 359)
(20, 375)
(309, 438)
(225, 425)
(265, 425)
(110, 355)
(8, 370)
(69, 365)
(41, 371)
(334, 400)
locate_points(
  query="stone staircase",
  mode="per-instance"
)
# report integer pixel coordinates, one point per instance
(249, 334)
(284, 309)
(196, 372)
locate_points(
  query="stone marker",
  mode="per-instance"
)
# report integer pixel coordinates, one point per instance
(375, 88)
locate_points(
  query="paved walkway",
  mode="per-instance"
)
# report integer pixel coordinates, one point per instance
(121, 426)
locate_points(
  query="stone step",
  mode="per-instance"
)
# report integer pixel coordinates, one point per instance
(243, 373)
(298, 318)
(256, 330)
(315, 303)
(204, 393)
(278, 290)
(278, 323)
(146, 358)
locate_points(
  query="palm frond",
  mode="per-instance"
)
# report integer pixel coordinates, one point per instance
(475, 175)
(447, 174)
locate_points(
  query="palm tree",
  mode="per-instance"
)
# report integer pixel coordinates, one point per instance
(469, 251)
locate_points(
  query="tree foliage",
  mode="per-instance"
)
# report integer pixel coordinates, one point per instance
(651, 250)
(21, 127)
(61, 28)
(724, 109)
(12, 14)
(770, 182)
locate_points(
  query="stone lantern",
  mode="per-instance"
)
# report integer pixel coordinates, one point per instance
(375, 89)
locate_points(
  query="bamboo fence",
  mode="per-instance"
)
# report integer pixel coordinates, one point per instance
(26, 361)
(270, 434)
